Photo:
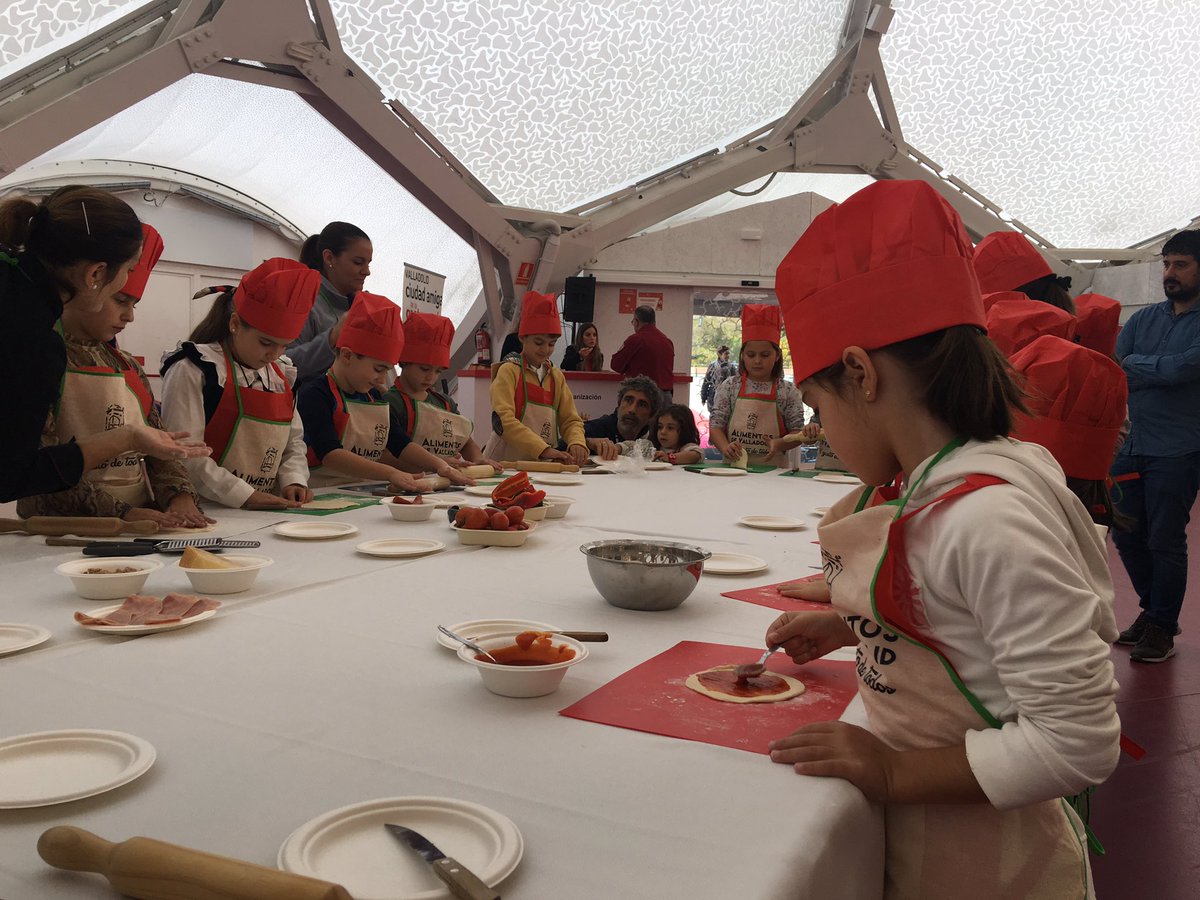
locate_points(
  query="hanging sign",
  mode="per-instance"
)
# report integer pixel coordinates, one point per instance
(422, 290)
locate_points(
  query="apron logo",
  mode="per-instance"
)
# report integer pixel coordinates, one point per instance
(831, 565)
(447, 431)
(381, 432)
(752, 420)
(268, 463)
(114, 417)
(546, 432)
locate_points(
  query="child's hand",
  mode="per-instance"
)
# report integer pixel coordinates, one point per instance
(402, 481)
(263, 500)
(839, 750)
(809, 635)
(733, 451)
(298, 493)
(578, 453)
(552, 455)
(814, 589)
(604, 448)
(660, 456)
(454, 476)
(812, 431)
(162, 519)
(184, 506)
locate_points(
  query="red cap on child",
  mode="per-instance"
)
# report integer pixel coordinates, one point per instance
(1012, 324)
(1099, 321)
(892, 262)
(373, 327)
(427, 339)
(1077, 400)
(539, 315)
(1005, 260)
(152, 248)
(276, 297)
(761, 322)
(990, 300)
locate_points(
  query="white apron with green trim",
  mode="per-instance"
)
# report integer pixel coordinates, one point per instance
(755, 421)
(251, 428)
(441, 432)
(96, 399)
(362, 426)
(534, 405)
(913, 701)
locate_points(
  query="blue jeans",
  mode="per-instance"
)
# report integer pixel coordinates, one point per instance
(1154, 551)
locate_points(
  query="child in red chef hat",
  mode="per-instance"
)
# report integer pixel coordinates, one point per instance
(969, 576)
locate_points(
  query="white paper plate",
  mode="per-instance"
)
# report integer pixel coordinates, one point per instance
(15, 636)
(836, 478)
(479, 490)
(772, 523)
(445, 501)
(658, 465)
(142, 629)
(819, 510)
(733, 564)
(724, 473)
(315, 531)
(397, 548)
(555, 478)
(478, 627)
(56, 766)
(350, 846)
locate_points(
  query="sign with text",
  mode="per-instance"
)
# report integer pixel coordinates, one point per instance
(631, 298)
(422, 290)
(653, 299)
(627, 300)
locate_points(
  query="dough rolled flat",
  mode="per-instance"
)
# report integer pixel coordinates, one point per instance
(330, 503)
(794, 688)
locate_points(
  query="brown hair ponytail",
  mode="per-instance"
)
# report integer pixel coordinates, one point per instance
(214, 327)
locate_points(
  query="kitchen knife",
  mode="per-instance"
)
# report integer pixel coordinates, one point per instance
(462, 881)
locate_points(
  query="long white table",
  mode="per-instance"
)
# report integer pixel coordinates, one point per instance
(323, 686)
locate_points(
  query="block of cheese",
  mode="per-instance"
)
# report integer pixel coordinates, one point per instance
(195, 558)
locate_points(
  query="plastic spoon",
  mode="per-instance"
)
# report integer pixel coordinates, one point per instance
(469, 644)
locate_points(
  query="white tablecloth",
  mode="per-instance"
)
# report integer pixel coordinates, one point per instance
(323, 686)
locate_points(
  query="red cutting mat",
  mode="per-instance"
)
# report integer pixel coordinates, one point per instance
(653, 697)
(768, 595)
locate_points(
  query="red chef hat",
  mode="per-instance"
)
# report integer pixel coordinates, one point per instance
(539, 315)
(427, 339)
(152, 248)
(761, 322)
(276, 297)
(1012, 324)
(892, 262)
(373, 327)
(990, 300)
(1077, 401)
(1005, 260)
(1099, 321)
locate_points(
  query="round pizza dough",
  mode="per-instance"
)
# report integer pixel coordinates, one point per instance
(794, 688)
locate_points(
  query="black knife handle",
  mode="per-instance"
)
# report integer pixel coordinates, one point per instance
(462, 881)
(114, 549)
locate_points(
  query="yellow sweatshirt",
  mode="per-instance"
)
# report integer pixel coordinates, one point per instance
(504, 391)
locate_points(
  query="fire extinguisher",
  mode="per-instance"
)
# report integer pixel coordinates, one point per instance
(483, 347)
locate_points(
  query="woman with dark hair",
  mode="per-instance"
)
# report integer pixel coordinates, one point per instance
(584, 354)
(342, 254)
(75, 247)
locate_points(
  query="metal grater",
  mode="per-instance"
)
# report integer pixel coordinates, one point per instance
(201, 544)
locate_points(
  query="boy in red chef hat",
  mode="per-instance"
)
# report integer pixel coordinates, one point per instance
(104, 385)
(347, 423)
(428, 417)
(532, 406)
(229, 381)
(968, 575)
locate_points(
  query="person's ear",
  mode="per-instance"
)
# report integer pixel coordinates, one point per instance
(861, 373)
(95, 275)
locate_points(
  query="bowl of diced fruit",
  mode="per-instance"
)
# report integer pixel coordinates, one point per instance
(410, 509)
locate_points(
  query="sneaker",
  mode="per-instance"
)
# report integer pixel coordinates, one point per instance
(1133, 634)
(1155, 646)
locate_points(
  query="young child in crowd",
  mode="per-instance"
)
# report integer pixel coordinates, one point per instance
(106, 388)
(532, 406)
(751, 411)
(675, 436)
(347, 423)
(987, 686)
(429, 418)
(229, 383)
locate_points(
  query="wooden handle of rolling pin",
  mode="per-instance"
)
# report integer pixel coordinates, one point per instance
(154, 870)
(538, 465)
(61, 525)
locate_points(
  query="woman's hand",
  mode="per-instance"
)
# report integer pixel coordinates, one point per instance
(578, 454)
(839, 750)
(809, 635)
(263, 500)
(166, 444)
(184, 506)
(733, 451)
(300, 493)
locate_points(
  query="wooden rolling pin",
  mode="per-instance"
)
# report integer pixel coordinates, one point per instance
(87, 526)
(154, 870)
(538, 465)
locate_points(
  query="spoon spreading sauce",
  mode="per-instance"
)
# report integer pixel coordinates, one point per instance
(531, 648)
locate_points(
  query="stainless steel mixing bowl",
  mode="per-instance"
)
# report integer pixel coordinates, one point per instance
(644, 574)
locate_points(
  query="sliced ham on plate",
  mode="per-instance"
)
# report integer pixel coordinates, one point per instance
(142, 610)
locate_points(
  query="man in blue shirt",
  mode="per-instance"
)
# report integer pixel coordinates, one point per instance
(1159, 349)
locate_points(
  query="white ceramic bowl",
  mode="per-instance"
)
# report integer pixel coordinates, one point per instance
(521, 681)
(410, 512)
(228, 581)
(108, 587)
(485, 537)
(557, 507)
(535, 514)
